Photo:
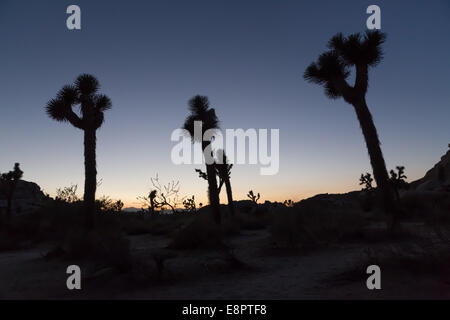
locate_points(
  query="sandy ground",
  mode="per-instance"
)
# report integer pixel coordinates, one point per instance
(267, 274)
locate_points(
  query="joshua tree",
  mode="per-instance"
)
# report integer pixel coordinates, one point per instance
(201, 111)
(152, 200)
(289, 203)
(332, 70)
(84, 92)
(366, 180)
(223, 169)
(398, 180)
(189, 204)
(8, 183)
(253, 197)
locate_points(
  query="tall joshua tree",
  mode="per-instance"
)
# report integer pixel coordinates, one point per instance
(84, 93)
(332, 70)
(200, 111)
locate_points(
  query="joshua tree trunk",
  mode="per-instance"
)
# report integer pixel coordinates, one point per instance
(213, 193)
(229, 196)
(213, 190)
(376, 159)
(90, 182)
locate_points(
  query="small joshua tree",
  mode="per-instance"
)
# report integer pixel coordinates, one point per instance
(163, 196)
(254, 198)
(288, 203)
(366, 180)
(8, 183)
(152, 198)
(398, 180)
(189, 204)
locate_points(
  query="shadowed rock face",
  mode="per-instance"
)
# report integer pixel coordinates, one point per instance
(437, 178)
(27, 197)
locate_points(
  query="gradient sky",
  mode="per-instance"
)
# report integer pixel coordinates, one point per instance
(248, 57)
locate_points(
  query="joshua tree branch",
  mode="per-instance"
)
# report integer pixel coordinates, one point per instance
(74, 119)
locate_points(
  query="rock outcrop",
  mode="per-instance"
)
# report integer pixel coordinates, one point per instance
(27, 197)
(437, 178)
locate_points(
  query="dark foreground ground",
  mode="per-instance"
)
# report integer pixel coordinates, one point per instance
(255, 268)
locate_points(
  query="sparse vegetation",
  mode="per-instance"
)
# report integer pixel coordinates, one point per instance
(163, 197)
(189, 204)
(254, 198)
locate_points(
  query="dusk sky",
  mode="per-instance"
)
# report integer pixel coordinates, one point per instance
(248, 57)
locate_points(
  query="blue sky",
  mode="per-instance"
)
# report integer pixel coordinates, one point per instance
(248, 57)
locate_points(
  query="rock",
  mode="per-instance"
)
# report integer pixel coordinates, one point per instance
(27, 197)
(437, 178)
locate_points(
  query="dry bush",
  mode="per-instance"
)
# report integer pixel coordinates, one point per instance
(202, 232)
(154, 224)
(314, 225)
(105, 246)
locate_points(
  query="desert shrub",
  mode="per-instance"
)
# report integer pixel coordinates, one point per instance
(202, 232)
(107, 246)
(155, 224)
(314, 225)
(67, 194)
(107, 205)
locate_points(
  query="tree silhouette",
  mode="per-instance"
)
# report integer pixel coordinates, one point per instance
(200, 111)
(84, 92)
(8, 183)
(398, 180)
(189, 204)
(223, 169)
(366, 181)
(254, 198)
(332, 70)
